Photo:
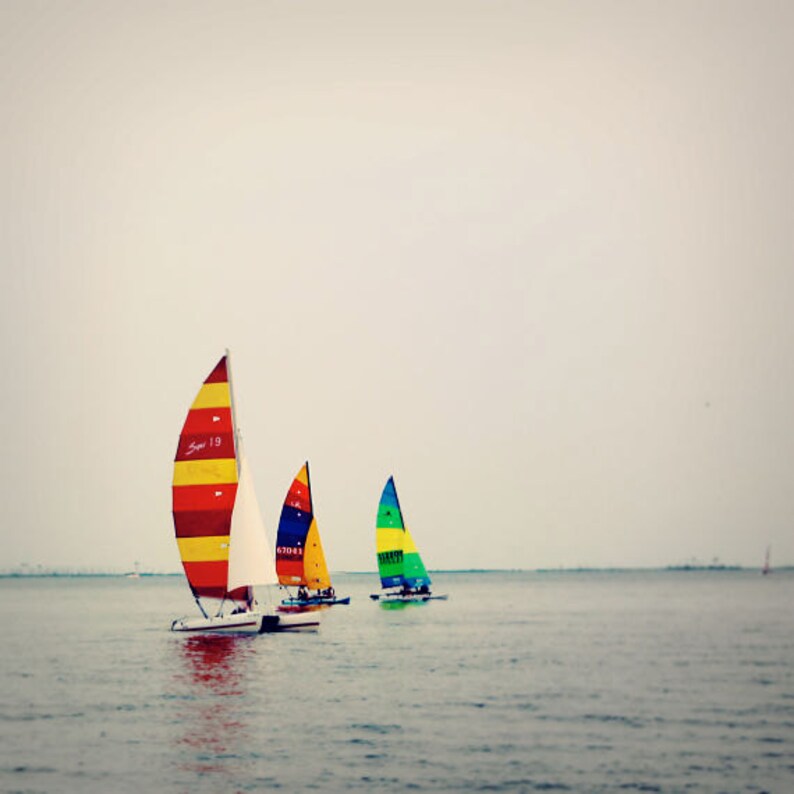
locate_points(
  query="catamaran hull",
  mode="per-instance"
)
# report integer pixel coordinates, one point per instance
(246, 623)
(312, 602)
(413, 598)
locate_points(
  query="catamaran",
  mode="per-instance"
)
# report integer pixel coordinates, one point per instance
(300, 561)
(219, 530)
(403, 576)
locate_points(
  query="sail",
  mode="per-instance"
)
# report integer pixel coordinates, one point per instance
(766, 568)
(389, 538)
(205, 486)
(399, 562)
(299, 552)
(414, 571)
(250, 558)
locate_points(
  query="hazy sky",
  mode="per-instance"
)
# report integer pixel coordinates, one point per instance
(535, 259)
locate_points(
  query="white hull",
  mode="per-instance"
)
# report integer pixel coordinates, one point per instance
(246, 623)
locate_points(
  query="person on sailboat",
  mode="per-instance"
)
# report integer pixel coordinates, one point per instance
(302, 594)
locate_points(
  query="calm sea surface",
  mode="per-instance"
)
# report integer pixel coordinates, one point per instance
(586, 682)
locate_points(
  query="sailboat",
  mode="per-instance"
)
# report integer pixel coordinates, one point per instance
(403, 576)
(219, 529)
(767, 569)
(300, 561)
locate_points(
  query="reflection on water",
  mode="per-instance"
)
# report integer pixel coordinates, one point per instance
(300, 608)
(212, 683)
(385, 604)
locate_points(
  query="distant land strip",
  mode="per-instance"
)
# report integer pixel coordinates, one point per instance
(44, 573)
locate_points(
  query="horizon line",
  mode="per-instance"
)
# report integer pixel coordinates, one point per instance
(30, 573)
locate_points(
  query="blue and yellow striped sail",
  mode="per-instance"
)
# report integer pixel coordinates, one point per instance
(399, 562)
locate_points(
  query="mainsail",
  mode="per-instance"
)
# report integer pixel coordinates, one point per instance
(205, 486)
(399, 562)
(219, 530)
(299, 553)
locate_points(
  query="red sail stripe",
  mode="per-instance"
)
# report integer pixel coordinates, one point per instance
(219, 374)
(202, 523)
(209, 574)
(208, 592)
(289, 566)
(298, 497)
(205, 446)
(204, 497)
(208, 420)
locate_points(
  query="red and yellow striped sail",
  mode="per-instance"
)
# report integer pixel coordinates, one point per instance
(205, 486)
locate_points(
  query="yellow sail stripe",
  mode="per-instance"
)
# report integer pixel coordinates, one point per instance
(213, 395)
(303, 476)
(410, 546)
(214, 471)
(211, 548)
(315, 570)
(388, 539)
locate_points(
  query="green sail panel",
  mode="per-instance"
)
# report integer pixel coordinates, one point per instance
(389, 538)
(414, 571)
(399, 562)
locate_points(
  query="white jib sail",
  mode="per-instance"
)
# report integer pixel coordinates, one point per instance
(250, 558)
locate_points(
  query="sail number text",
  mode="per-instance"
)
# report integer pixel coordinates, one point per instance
(289, 551)
(197, 446)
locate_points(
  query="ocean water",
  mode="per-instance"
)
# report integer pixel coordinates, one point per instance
(586, 682)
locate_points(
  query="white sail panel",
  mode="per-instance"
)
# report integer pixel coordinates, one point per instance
(250, 558)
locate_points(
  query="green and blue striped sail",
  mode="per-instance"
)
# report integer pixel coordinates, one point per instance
(399, 562)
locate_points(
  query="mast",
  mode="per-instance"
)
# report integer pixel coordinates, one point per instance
(249, 599)
(235, 429)
(402, 525)
(309, 488)
(399, 506)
